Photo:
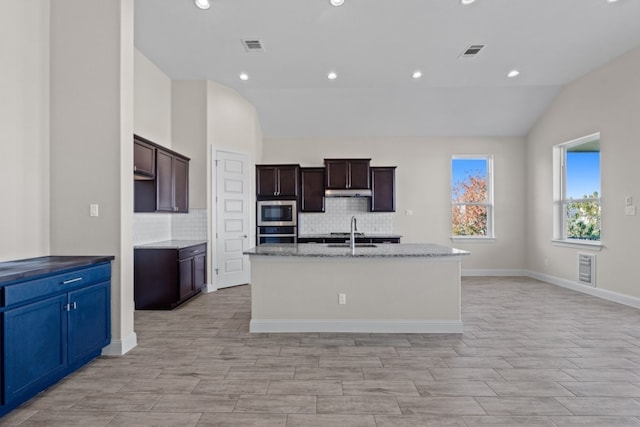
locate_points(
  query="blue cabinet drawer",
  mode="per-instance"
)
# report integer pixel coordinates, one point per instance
(37, 289)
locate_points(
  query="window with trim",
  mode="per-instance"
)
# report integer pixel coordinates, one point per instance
(472, 196)
(577, 191)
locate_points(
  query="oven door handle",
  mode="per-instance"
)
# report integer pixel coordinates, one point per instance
(276, 235)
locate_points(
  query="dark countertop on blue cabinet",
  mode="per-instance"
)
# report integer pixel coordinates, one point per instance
(13, 271)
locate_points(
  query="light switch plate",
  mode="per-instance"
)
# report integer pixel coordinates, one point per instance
(630, 210)
(93, 210)
(628, 201)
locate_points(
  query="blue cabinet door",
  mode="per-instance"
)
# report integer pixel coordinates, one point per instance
(89, 322)
(35, 346)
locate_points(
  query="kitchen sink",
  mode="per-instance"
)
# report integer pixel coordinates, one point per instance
(347, 245)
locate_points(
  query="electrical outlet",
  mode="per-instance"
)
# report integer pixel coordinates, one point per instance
(342, 299)
(630, 210)
(628, 201)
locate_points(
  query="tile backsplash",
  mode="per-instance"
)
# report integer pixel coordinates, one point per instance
(155, 227)
(337, 217)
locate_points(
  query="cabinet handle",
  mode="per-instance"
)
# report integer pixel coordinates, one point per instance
(66, 282)
(69, 307)
(135, 168)
(74, 306)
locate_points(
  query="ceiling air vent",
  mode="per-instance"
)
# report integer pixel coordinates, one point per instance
(472, 50)
(253, 45)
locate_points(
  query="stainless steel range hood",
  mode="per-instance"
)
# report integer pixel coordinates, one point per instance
(364, 192)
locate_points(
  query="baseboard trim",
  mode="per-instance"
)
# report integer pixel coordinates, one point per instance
(209, 288)
(493, 273)
(366, 326)
(121, 347)
(585, 289)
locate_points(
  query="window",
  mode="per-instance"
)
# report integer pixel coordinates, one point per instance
(577, 190)
(472, 196)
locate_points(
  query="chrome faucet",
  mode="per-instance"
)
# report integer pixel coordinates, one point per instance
(354, 228)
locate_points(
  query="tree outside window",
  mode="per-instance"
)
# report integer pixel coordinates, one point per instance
(578, 190)
(472, 204)
(583, 192)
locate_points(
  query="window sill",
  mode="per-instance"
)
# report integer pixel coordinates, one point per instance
(471, 239)
(586, 244)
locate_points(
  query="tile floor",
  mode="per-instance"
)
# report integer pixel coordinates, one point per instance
(532, 355)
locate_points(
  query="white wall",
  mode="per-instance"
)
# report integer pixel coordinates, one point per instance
(189, 136)
(606, 100)
(152, 120)
(24, 129)
(423, 186)
(232, 121)
(152, 101)
(91, 145)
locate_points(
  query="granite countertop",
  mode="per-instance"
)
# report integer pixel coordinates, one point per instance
(170, 244)
(11, 271)
(382, 250)
(341, 235)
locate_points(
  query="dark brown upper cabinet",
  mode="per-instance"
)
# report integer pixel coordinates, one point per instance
(167, 188)
(347, 174)
(383, 189)
(144, 159)
(312, 189)
(172, 183)
(277, 181)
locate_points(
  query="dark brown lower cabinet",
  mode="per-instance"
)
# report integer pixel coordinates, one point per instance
(164, 278)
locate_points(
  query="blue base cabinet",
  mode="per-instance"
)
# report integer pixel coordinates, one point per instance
(35, 346)
(89, 322)
(51, 326)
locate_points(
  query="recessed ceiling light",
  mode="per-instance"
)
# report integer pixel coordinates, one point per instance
(336, 2)
(513, 73)
(332, 75)
(244, 76)
(203, 4)
(417, 74)
(465, 2)
(611, 1)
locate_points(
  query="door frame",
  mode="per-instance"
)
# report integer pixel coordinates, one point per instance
(212, 219)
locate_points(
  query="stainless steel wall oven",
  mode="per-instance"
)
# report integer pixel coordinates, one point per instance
(277, 221)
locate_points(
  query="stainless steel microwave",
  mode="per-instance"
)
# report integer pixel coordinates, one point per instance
(277, 212)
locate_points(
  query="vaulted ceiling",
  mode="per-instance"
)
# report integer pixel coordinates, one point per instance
(374, 47)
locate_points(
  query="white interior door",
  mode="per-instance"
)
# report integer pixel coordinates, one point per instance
(232, 218)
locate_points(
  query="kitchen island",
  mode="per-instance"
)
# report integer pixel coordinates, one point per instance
(391, 288)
